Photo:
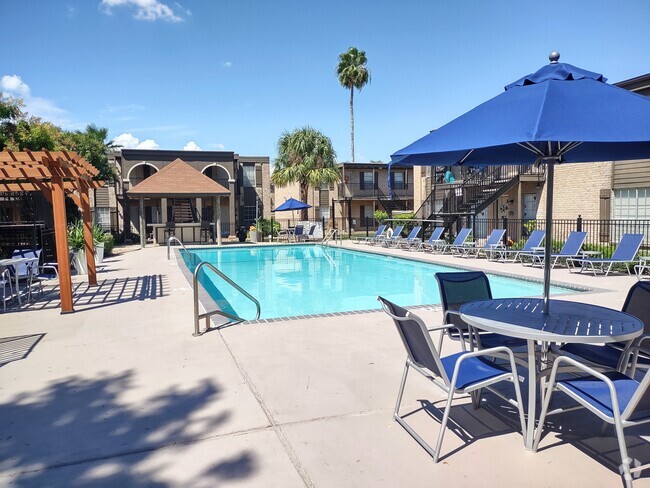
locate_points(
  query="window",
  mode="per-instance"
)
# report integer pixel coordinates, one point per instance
(248, 173)
(398, 180)
(103, 217)
(367, 180)
(249, 215)
(631, 204)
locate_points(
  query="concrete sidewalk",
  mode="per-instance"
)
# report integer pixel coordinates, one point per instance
(120, 393)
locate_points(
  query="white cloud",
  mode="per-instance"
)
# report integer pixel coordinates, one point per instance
(187, 11)
(144, 9)
(227, 64)
(148, 144)
(14, 85)
(191, 146)
(126, 140)
(216, 146)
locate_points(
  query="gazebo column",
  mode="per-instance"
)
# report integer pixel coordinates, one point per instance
(199, 208)
(143, 227)
(88, 233)
(217, 219)
(231, 200)
(163, 210)
(61, 238)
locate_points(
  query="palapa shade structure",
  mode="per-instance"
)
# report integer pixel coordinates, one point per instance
(54, 173)
(179, 180)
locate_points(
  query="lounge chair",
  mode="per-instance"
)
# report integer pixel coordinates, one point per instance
(433, 242)
(571, 249)
(298, 233)
(513, 255)
(625, 253)
(456, 289)
(493, 241)
(615, 356)
(367, 240)
(612, 396)
(465, 372)
(386, 239)
(458, 243)
(411, 240)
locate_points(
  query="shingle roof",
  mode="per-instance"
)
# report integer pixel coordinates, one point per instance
(178, 179)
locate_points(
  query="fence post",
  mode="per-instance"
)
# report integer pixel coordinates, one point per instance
(579, 223)
(504, 221)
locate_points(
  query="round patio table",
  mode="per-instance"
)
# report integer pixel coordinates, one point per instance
(566, 322)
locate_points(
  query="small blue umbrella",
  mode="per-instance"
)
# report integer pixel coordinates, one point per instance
(292, 204)
(559, 114)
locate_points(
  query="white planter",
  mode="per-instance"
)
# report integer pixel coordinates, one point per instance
(99, 252)
(253, 235)
(79, 262)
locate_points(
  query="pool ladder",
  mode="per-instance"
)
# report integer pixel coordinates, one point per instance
(195, 286)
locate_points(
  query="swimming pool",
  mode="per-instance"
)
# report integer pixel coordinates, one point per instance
(300, 280)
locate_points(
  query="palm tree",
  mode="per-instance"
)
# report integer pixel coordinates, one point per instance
(353, 73)
(306, 157)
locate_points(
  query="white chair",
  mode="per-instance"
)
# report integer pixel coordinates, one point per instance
(5, 279)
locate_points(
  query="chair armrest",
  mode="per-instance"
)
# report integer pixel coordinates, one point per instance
(441, 327)
(494, 352)
(49, 267)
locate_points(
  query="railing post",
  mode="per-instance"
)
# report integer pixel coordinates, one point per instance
(504, 221)
(579, 223)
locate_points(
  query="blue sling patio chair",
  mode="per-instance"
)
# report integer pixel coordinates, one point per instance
(432, 242)
(513, 255)
(388, 237)
(493, 242)
(458, 243)
(411, 240)
(620, 356)
(571, 249)
(456, 289)
(625, 253)
(465, 372)
(612, 396)
(367, 240)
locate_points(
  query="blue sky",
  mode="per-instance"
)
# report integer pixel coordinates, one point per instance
(235, 74)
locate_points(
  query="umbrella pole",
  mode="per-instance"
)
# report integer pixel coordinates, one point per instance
(550, 171)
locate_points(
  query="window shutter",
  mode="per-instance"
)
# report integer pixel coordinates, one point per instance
(258, 175)
(362, 181)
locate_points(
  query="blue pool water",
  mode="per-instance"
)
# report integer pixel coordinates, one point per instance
(290, 281)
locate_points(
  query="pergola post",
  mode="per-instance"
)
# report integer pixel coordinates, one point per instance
(61, 238)
(88, 233)
(217, 219)
(143, 230)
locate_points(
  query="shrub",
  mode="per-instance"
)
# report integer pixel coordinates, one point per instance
(381, 216)
(109, 243)
(266, 229)
(76, 236)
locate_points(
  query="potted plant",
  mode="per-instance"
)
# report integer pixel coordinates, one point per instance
(77, 246)
(99, 238)
(253, 233)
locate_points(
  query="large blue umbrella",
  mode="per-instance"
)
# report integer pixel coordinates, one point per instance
(292, 204)
(559, 114)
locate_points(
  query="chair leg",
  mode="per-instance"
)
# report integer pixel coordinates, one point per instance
(542, 415)
(443, 425)
(625, 460)
(401, 391)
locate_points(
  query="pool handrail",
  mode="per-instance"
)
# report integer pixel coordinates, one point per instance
(174, 238)
(198, 316)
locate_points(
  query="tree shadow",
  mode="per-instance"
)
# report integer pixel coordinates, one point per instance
(107, 293)
(17, 347)
(80, 432)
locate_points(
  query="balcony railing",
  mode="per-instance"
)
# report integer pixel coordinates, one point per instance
(357, 190)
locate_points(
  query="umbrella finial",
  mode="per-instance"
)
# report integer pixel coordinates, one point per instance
(554, 57)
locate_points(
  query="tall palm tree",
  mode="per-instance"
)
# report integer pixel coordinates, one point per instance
(353, 73)
(306, 157)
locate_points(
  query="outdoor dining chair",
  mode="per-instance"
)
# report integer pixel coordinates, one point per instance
(5, 281)
(461, 373)
(612, 396)
(625, 253)
(618, 355)
(456, 289)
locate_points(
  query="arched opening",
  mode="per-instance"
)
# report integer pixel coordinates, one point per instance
(218, 174)
(140, 172)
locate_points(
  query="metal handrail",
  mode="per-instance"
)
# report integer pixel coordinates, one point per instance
(198, 316)
(169, 244)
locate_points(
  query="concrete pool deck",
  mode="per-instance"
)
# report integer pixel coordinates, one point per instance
(120, 393)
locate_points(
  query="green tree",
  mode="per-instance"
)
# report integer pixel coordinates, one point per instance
(92, 145)
(10, 114)
(306, 157)
(353, 73)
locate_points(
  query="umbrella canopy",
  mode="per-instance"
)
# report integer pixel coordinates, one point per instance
(559, 114)
(292, 204)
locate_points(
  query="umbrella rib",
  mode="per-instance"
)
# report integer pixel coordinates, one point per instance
(569, 147)
(465, 157)
(530, 147)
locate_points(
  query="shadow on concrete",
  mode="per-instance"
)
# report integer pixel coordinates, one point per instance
(17, 347)
(107, 292)
(81, 432)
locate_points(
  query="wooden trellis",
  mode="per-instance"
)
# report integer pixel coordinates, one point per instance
(55, 173)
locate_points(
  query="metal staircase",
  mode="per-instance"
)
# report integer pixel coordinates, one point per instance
(391, 204)
(474, 194)
(183, 211)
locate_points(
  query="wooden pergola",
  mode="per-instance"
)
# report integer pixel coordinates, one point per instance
(55, 173)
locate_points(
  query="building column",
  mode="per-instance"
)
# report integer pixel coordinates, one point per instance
(232, 199)
(216, 202)
(163, 210)
(143, 225)
(61, 239)
(199, 208)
